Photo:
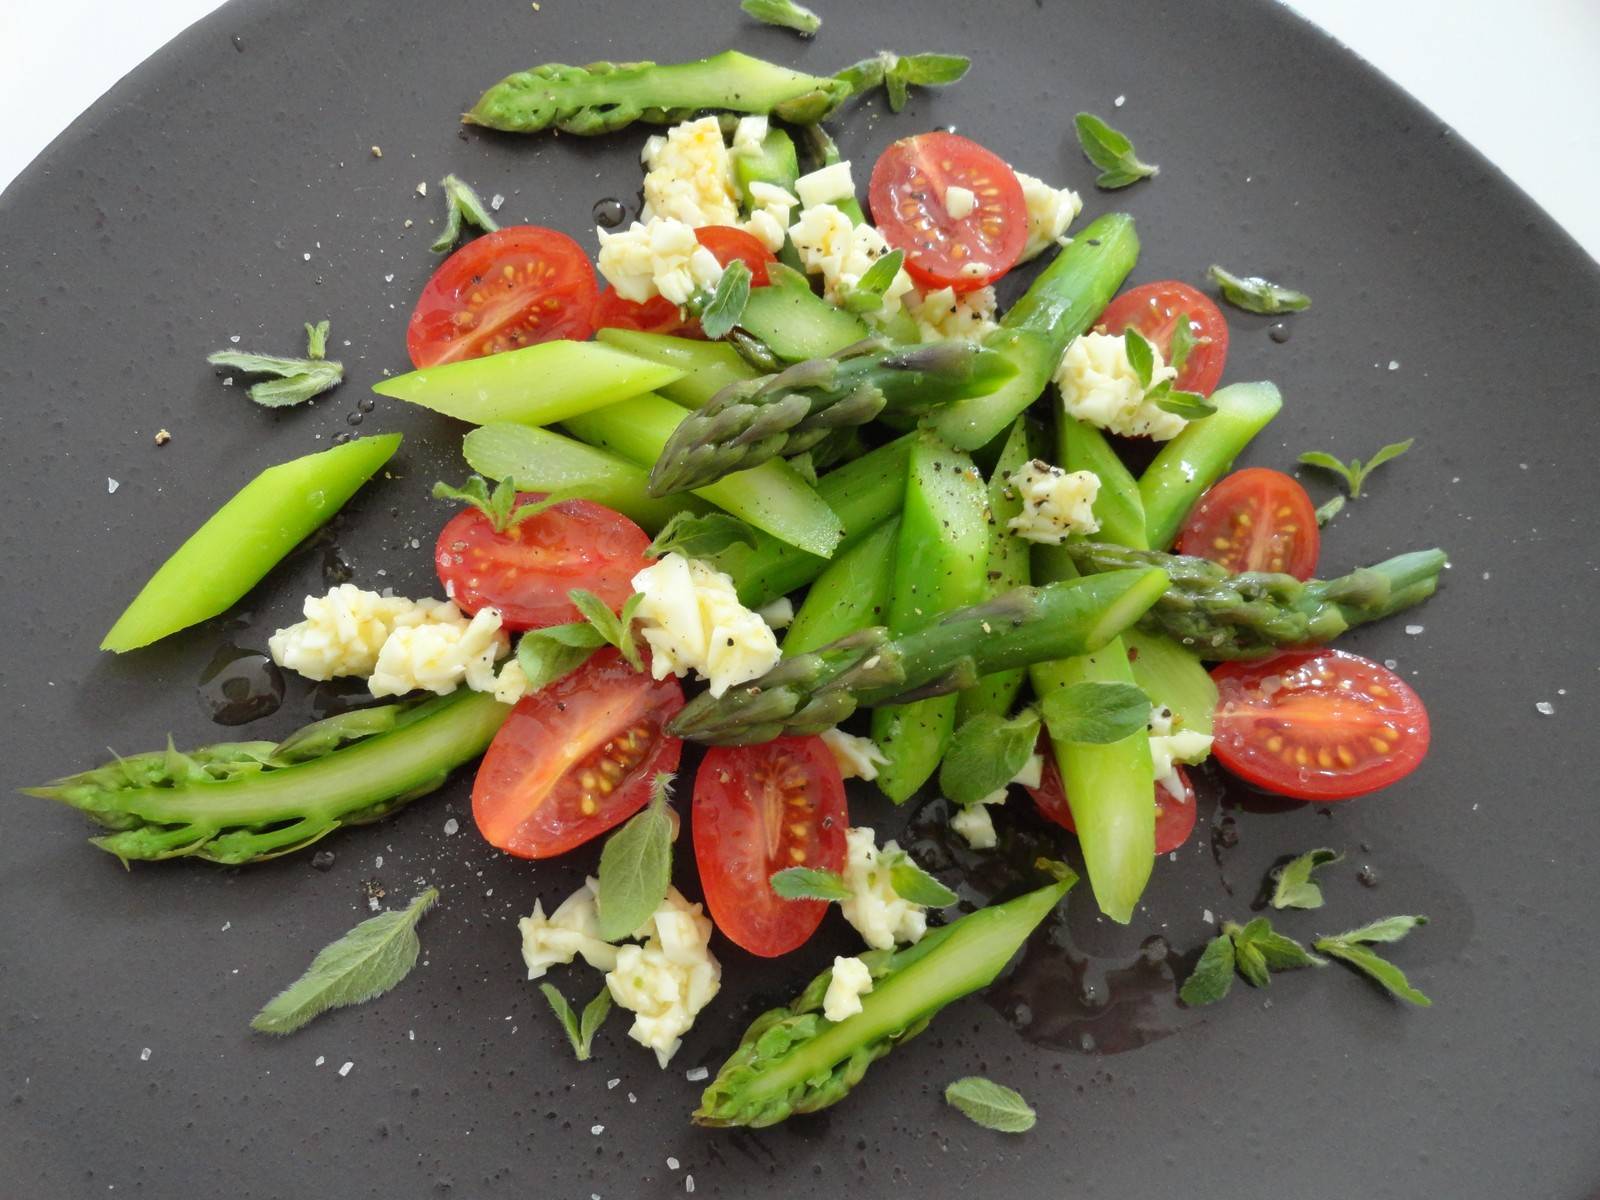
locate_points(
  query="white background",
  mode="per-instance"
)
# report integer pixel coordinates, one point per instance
(1519, 81)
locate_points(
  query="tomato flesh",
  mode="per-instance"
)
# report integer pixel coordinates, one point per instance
(1175, 815)
(727, 243)
(1255, 520)
(515, 287)
(757, 810)
(908, 194)
(1318, 724)
(660, 315)
(1153, 310)
(576, 758)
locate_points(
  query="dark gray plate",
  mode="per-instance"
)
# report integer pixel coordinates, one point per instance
(228, 187)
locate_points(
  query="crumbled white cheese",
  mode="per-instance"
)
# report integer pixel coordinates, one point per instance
(833, 246)
(573, 929)
(748, 135)
(511, 684)
(1168, 747)
(959, 201)
(1099, 385)
(858, 757)
(779, 614)
(974, 822)
(944, 314)
(439, 657)
(1050, 211)
(880, 914)
(826, 185)
(669, 979)
(691, 617)
(768, 222)
(344, 630)
(851, 980)
(660, 257)
(689, 176)
(1032, 773)
(1054, 502)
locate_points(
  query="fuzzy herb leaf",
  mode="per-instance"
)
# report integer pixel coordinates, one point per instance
(990, 1104)
(722, 312)
(1355, 472)
(809, 883)
(1351, 947)
(462, 204)
(296, 379)
(1191, 406)
(636, 867)
(556, 651)
(1294, 888)
(1258, 950)
(784, 13)
(1141, 355)
(1096, 713)
(499, 505)
(986, 753)
(363, 964)
(1111, 151)
(911, 882)
(1255, 294)
(1183, 343)
(867, 294)
(701, 535)
(1212, 976)
(897, 72)
(568, 1018)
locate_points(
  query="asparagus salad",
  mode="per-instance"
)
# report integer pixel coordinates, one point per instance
(773, 480)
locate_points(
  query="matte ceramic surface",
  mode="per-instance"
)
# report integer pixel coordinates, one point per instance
(229, 187)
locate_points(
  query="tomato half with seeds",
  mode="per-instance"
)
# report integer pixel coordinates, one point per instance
(576, 758)
(515, 287)
(660, 315)
(1175, 814)
(1318, 724)
(911, 206)
(655, 315)
(1255, 520)
(1154, 310)
(757, 810)
(526, 571)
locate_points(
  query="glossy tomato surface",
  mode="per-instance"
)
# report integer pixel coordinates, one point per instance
(1255, 520)
(515, 287)
(757, 810)
(1175, 815)
(576, 758)
(526, 571)
(909, 198)
(1318, 724)
(1154, 310)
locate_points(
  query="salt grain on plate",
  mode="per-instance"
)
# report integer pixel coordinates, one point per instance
(688, 1183)
(496, 201)
(1393, 365)
(227, 925)
(1413, 630)
(451, 826)
(422, 188)
(1545, 709)
(345, 1070)
(1119, 101)
(597, 1130)
(144, 1055)
(111, 485)
(672, 1163)
(696, 1074)
(611, 1083)
(321, 1058)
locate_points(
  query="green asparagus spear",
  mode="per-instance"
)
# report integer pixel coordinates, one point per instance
(707, 367)
(795, 1060)
(1224, 616)
(246, 802)
(782, 415)
(852, 593)
(1068, 294)
(1118, 508)
(606, 96)
(812, 692)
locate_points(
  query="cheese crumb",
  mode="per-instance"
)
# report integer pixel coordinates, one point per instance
(943, 314)
(572, 930)
(748, 135)
(668, 980)
(879, 914)
(830, 244)
(660, 257)
(779, 614)
(691, 617)
(1055, 503)
(1050, 211)
(344, 630)
(858, 757)
(439, 657)
(1099, 385)
(974, 822)
(850, 981)
(689, 176)
(1168, 747)
(959, 202)
(826, 185)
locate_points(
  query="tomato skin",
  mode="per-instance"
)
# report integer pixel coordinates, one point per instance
(1265, 520)
(1175, 815)
(1153, 310)
(660, 315)
(1329, 725)
(907, 196)
(515, 287)
(759, 809)
(527, 570)
(604, 720)
(727, 243)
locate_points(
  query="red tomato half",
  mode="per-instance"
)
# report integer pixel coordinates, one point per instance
(727, 243)
(527, 570)
(1175, 815)
(515, 287)
(907, 194)
(1318, 724)
(1255, 520)
(660, 315)
(655, 315)
(1153, 310)
(576, 758)
(757, 810)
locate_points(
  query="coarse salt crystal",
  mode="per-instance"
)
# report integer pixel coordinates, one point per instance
(1208, 917)
(1393, 365)
(422, 188)
(321, 1058)
(696, 1074)
(227, 925)
(1413, 630)
(597, 1130)
(611, 1083)
(144, 1055)
(345, 1070)
(1545, 708)
(632, 1099)
(495, 201)
(1119, 101)
(451, 826)
(411, 1035)
(111, 485)
(234, 338)
(688, 1183)
(672, 1163)
(389, 278)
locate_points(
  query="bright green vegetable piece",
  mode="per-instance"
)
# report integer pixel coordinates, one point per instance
(1224, 616)
(1068, 294)
(245, 538)
(862, 494)
(809, 693)
(850, 594)
(776, 163)
(772, 496)
(605, 96)
(247, 802)
(707, 367)
(794, 322)
(1199, 456)
(1118, 507)
(940, 564)
(1008, 567)
(541, 460)
(1173, 677)
(536, 385)
(794, 1060)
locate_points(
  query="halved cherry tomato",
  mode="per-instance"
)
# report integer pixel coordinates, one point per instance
(908, 193)
(1153, 309)
(515, 287)
(757, 810)
(1175, 815)
(1255, 520)
(575, 758)
(527, 570)
(660, 315)
(1318, 724)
